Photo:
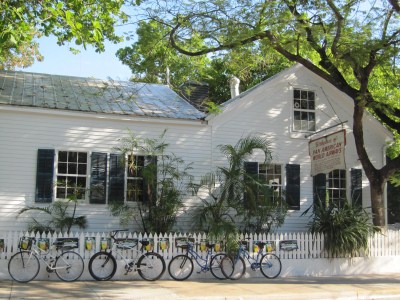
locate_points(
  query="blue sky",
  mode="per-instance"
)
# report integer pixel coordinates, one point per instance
(59, 60)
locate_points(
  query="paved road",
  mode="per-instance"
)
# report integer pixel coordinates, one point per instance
(295, 288)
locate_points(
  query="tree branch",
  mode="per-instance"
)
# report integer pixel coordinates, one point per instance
(395, 4)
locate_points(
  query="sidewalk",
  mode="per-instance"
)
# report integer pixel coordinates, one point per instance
(298, 288)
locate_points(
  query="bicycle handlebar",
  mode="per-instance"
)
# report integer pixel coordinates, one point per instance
(114, 232)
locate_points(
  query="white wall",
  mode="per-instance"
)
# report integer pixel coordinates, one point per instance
(267, 111)
(24, 131)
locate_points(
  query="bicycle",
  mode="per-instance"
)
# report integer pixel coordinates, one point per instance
(24, 265)
(149, 265)
(235, 267)
(181, 266)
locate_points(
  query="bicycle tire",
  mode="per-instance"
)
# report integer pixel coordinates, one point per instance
(270, 265)
(102, 266)
(151, 266)
(215, 266)
(180, 267)
(233, 268)
(69, 266)
(23, 266)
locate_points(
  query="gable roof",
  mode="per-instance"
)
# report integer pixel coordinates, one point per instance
(93, 95)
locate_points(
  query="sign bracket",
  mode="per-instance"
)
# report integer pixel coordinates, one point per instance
(311, 134)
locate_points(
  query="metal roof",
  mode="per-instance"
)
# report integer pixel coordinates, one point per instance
(93, 95)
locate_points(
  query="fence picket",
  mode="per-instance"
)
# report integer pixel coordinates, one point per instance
(309, 245)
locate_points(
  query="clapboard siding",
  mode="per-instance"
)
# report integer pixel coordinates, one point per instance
(267, 111)
(23, 133)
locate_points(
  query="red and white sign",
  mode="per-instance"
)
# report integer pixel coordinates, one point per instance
(327, 153)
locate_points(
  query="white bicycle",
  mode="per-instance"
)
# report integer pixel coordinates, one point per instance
(24, 265)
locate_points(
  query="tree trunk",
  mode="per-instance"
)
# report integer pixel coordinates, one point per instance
(378, 202)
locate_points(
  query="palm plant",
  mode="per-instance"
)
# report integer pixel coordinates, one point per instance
(346, 228)
(223, 203)
(165, 176)
(57, 216)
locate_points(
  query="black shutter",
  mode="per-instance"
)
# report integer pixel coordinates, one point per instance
(249, 198)
(98, 178)
(149, 179)
(319, 189)
(116, 180)
(293, 186)
(44, 176)
(356, 187)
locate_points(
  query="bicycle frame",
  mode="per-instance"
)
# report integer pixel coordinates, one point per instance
(196, 257)
(129, 261)
(254, 262)
(39, 253)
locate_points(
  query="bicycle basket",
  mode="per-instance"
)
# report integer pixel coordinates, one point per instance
(25, 243)
(183, 242)
(66, 243)
(126, 244)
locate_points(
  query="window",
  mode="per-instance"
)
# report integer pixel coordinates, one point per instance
(271, 174)
(330, 188)
(113, 178)
(134, 190)
(71, 174)
(336, 187)
(303, 110)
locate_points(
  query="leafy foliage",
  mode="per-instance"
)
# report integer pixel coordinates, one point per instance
(82, 21)
(346, 229)
(151, 54)
(166, 179)
(353, 45)
(56, 216)
(221, 194)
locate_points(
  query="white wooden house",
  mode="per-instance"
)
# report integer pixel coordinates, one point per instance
(53, 127)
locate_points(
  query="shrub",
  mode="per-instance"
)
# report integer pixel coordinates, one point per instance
(346, 229)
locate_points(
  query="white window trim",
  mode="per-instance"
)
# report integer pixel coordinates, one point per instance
(295, 133)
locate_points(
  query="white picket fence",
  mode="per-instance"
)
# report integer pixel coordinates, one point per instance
(301, 253)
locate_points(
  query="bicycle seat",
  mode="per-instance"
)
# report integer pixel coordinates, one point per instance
(210, 245)
(145, 242)
(261, 244)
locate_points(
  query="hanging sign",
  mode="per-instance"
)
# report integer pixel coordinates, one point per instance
(327, 153)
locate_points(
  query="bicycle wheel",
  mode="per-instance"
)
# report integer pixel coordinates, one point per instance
(102, 266)
(271, 265)
(215, 266)
(69, 266)
(180, 267)
(151, 266)
(233, 268)
(23, 266)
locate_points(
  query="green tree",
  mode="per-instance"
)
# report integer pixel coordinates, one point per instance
(351, 44)
(151, 54)
(82, 21)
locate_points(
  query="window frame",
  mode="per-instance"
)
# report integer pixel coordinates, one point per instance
(325, 187)
(270, 178)
(86, 198)
(303, 110)
(57, 174)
